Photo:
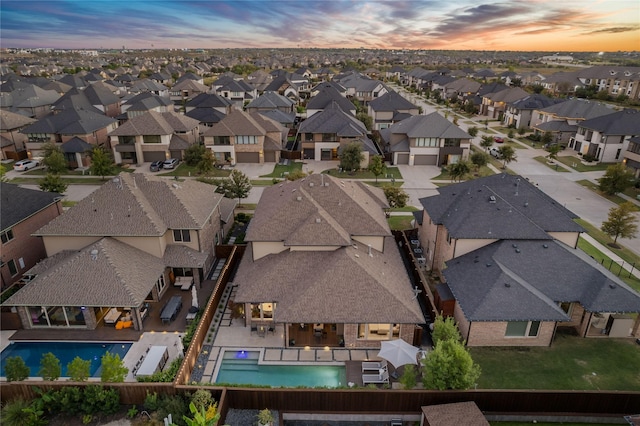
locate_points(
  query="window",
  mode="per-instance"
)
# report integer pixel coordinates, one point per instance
(126, 140)
(429, 142)
(448, 143)
(13, 270)
(181, 235)
(151, 138)
(221, 140)
(246, 140)
(566, 307)
(308, 137)
(522, 329)
(328, 137)
(377, 331)
(6, 236)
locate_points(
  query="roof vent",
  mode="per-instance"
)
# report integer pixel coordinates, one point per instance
(507, 285)
(370, 253)
(489, 265)
(299, 198)
(310, 183)
(318, 220)
(517, 250)
(492, 199)
(612, 286)
(514, 245)
(526, 204)
(545, 246)
(94, 254)
(326, 184)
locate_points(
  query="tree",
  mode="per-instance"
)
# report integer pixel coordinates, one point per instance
(237, 185)
(50, 368)
(54, 158)
(15, 369)
(101, 162)
(479, 159)
(396, 197)
(53, 183)
(113, 369)
(508, 154)
(486, 142)
(3, 173)
(193, 154)
(377, 166)
(553, 151)
(366, 120)
(408, 378)
(458, 170)
(351, 157)
(616, 179)
(445, 329)
(546, 138)
(472, 131)
(621, 222)
(449, 366)
(206, 163)
(295, 175)
(79, 370)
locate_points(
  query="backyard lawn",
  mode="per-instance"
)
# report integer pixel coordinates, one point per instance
(571, 363)
(400, 223)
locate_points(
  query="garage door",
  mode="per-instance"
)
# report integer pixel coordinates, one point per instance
(270, 156)
(309, 154)
(425, 160)
(154, 156)
(248, 157)
(403, 158)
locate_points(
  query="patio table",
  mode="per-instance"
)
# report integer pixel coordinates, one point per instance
(171, 309)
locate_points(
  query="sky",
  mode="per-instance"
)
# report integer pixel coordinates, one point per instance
(542, 25)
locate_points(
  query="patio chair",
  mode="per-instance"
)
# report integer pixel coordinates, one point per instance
(376, 378)
(374, 365)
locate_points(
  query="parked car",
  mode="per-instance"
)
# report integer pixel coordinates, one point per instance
(24, 165)
(498, 140)
(156, 166)
(495, 152)
(171, 163)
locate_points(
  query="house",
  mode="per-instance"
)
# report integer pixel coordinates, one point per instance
(237, 91)
(12, 141)
(333, 262)
(632, 156)
(426, 140)
(562, 119)
(495, 104)
(270, 101)
(390, 108)
(122, 247)
(607, 137)
(321, 135)
(24, 211)
(186, 89)
(149, 85)
(615, 80)
(97, 95)
(328, 94)
(154, 136)
(519, 112)
(245, 137)
(461, 89)
(142, 103)
(508, 254)
(29, 100)
(289, 85)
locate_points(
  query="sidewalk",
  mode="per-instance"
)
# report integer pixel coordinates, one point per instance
(611, 255)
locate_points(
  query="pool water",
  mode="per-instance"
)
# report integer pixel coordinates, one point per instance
(242, 367)
(31, 353)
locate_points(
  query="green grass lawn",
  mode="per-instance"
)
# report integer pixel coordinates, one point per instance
(545, 161)
(264, 182)
(484, 171)
(571, 363)
(599, 257)
(400, 223)
(43, 171)
(391, 172)
(575, 163)
(68, 181)
(185, 170)
(594, 187)
(279, 169)
(624, 253)
(381, 183)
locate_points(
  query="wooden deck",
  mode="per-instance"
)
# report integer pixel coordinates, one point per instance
(306, 337)
(108, 332)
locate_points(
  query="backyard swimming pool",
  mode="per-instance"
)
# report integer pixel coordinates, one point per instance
(241, 367)
(31, 353)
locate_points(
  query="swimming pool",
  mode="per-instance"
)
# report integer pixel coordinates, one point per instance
(31, 353)
(241, 367)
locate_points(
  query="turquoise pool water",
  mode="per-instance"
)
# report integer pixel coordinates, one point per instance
(241, 367)
(31, 353)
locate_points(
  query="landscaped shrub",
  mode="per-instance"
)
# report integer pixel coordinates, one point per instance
(69, 400)
(50, 368)
(444, 329)
(409, 377)
(97, 399)
(12, 413)
(168, 375)
(15, 369)
(79, 370)
(174, 405)
(113, 369)
(589, 158)
(202, 398)
(151, 401)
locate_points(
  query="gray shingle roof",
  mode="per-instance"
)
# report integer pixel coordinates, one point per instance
(429, 126)
(271, 100)
(179, 256)
(137, 205)
(525, 280)
(18, 204)
(579, 109)
(70, 122)
(10, 120)
(333, 120)
(80, 279)
(391, 101)
(156, 123)
(520, 210)
(626, 122)
(209, 100)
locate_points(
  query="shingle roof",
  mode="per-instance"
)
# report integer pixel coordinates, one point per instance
(391, 101)
(209, 100)
(136, 204)
(519, 210)
(70, 122)
(328, 95)
(83, 279)
(75, 145)
(10, 120)
(424, 126)
(179, 256)
(455, 414)
(333, 120)
(508, 95)
(626, 122)
(271, 100)
(205, 115)
(239, 122)
(525, 280)
(18, 204)
(579, 109)
(155, 123)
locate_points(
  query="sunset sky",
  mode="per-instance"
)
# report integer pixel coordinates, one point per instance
(547, 25)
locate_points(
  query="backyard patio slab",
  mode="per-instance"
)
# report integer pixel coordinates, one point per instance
(307, 355)
(290, 354)
(359, 355)
(272, 354)
(324, 355)
(343, 355)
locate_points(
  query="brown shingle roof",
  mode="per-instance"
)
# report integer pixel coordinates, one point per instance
(238, 122)
(156, 123)
(177, 256)
(455, 414)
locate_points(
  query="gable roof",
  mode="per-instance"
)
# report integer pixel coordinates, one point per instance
(156, 123)
(535, 101)
(424, 126)
(271, 100)
(391, 101)
(70, 122)
(333, 120)
(625, 122)
(498, 207)
(328, 95)
(18, 204)
(209, 100)
(508, 95)
(579, 109)
(11, 120)
(239, 122)
(134, 204)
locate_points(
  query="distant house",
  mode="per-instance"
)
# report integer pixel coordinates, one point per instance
(237, 91)
(29, 100)
(426, 140)
(390, 108)
(519, 113)
(461, 89)
(321, 261)
(494, 104)
(325, 96)
(186, 89)
(508, 254)
(12, 141)
(98, 95)
(632, 156)
(143, 232)
(270, 101)
(244, 137)
(154, 136)
(607, 137)
(24, 211)
(615, 80)
(142, 103)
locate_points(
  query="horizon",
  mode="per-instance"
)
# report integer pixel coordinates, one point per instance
(432, 25)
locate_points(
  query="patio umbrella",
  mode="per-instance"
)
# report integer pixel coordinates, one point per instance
(398, 352)
(194, 296)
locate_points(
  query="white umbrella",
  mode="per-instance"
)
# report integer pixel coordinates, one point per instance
(398, 352)
(194, 296)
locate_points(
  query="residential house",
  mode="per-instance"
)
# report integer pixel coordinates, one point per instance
(237, 91)
(186, 89)
(562, 119)
(208, 109)
(24, 211)
(259, 80)
(149, 85)
(30, 100)
(426, 140)
(97, 96)
(12, 140)
(245, 137)
(142, 103)
(122, 247)
(395, 72)
(325, 97)
(615, 80)
(332, 264)
(494, 104)
(92, 127)
(518, 113)
(562, 83)
(508, 255)
(607, 137)
(632, 156)
(291, 86)
(154, 136)
(460, 89)
(321, 136)
(390, 108)
(269, 101)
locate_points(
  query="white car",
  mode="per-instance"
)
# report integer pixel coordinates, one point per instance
(24, 165)
(495, 152)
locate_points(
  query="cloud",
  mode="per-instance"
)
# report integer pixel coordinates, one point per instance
(614, 30)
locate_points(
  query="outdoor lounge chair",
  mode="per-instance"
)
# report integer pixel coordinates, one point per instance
(374, 365)
(375, 378)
